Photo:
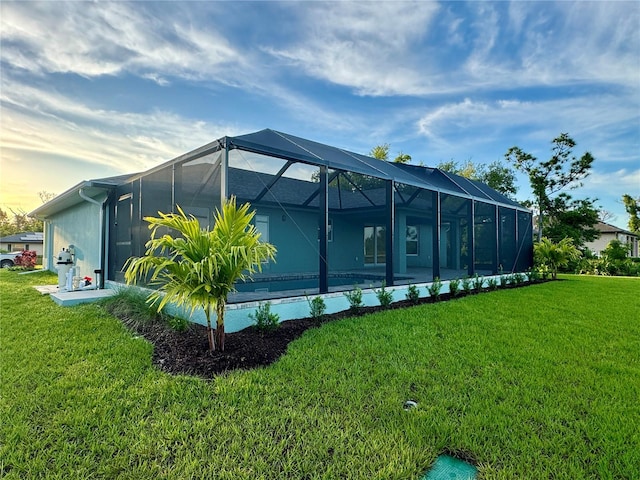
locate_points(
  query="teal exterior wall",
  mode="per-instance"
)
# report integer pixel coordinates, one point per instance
(78, 226)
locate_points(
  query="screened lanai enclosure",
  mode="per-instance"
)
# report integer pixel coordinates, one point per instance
(337, 218)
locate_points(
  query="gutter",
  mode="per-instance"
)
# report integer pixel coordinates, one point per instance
(101, 245)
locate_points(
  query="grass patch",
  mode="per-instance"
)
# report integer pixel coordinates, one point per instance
(530, 383)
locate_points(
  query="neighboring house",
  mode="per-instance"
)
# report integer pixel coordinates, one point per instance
(609, 232)
(23, 241)
(337, 218)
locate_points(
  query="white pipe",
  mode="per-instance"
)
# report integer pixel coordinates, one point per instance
(101, 235)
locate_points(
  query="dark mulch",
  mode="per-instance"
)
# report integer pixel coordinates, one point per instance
(187, 352)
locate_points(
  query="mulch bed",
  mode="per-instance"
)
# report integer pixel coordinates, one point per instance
(187, 352)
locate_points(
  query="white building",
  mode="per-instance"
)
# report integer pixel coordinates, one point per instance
(610, 232)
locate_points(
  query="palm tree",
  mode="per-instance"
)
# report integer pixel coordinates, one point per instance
(555, 255)
(198, 268)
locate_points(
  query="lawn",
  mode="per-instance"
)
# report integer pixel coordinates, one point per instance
(537, 382)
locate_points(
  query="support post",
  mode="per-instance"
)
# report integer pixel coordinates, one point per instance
(323, 221)
(471, 268)
(498, 231)
(436, 230)
(224, 174)
(390, 225)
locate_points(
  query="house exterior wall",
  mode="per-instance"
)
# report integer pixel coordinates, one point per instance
(599, 244)
(18, 246)
(78, 226)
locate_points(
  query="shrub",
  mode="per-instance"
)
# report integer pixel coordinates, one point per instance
(466, 285)
(492, 283)
(385, 297)
(477, 283)
(518, 278)
(454, 287)
(616, 250)
(317, 307)
(131, 305)
(263, 318)
(434, 288)
(555, 255)
(413, 294)
(355, 298)
(504, 280)
(26, 259)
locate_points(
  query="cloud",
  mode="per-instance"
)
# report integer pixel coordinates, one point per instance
(36, 120)
(361, 44)
(595, 122)
(111, 38)
(400, 49)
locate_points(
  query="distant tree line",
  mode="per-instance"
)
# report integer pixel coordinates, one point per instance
(18, 221)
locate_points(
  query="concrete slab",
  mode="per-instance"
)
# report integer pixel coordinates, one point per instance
(46, 289)
(68, 299)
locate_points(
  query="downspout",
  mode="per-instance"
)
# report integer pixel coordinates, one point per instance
(100, 236)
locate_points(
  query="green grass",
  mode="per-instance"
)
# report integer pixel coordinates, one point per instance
(538, 382)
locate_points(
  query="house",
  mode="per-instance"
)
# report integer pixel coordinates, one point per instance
(337, 218)
(610, 232)
(23, 241)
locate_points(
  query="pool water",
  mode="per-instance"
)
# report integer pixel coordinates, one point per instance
(304, 284)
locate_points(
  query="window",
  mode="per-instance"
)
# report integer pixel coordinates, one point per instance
(26, 246)
(262, 225)
(413, 240)
(375, 245)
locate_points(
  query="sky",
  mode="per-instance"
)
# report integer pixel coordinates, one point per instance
(95, 89)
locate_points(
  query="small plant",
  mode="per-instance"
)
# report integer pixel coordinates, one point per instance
(317, 307)
(178, 324)
(355, 298)
(413, 294)
(454, 287)
(264, 319)
(434, 288)
(466, 285)
(504, 280)
(385, 297)
(534, 275)
(478, 282)
(492, 283)
(518, 278)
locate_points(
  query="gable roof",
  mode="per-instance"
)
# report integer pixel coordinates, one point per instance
(92, 188)
(604, 227)
(24, 237)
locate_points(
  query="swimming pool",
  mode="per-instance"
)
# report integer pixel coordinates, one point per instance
(282, 284)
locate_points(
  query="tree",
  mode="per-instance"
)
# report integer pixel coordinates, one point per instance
(45, 196)
(381, 152)
(548, 178)
(495, 175)
(18, 223)
(606, 215)
(199, 268)
(552, 255)
(572, 218)
(402, 158)
(632, 206)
